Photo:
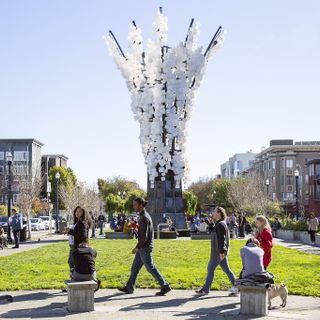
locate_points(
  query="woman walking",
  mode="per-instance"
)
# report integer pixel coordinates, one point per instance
(220, 241)
(264, 236)
(313, 224)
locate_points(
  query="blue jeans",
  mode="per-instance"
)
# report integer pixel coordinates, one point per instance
(212, 265)
(144, 257)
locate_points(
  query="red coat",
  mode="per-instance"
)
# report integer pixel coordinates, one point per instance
(265, 239)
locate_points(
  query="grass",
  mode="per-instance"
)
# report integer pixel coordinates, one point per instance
(183, 263)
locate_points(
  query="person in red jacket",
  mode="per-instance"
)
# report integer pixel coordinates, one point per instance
(264, 236)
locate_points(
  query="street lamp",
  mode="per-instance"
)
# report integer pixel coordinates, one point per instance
(122, 194)
(9, 160)
(296, 174)
(57, 176)
(268, 184)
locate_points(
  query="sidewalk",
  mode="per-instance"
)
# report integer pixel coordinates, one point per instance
(306, 248)
(144, 305)
(45, 239)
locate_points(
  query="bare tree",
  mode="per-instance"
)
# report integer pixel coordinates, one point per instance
(249, 194)
(29, 190)
(92, 199)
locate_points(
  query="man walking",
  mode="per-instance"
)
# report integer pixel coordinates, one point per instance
(101, 220)
(16, 223)
(143, 251)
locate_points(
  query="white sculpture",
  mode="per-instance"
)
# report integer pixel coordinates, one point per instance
(162, 81)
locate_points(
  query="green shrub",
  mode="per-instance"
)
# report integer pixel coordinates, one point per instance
(289, 224)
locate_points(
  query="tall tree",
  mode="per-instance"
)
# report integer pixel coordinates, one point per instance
(67, 179)
(116, 184)
(190, 202)
(203, 190)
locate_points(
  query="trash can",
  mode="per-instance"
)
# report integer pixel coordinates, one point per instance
(62, 225)
(23, 234)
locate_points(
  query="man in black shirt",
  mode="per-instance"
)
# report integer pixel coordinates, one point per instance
(84, 263)
(143, 251)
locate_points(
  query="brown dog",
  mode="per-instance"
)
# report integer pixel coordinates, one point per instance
(275, 291)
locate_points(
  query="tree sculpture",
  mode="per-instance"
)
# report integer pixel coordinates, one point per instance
(163, 81)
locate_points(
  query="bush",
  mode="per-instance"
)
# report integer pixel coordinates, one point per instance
(288, 224)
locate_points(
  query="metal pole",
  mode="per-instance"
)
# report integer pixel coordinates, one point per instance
(57, 205)
(9, 203)
(297, 196)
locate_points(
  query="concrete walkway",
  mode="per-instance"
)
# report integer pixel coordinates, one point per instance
(37, 242)
(144, 305)
(298, 246)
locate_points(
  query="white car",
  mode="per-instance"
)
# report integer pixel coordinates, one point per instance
(37, 224)
(46, 222)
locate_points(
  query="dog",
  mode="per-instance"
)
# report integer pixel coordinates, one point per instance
(275, 291)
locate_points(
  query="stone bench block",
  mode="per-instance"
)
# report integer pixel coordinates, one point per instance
(81, 295)
(253, 300)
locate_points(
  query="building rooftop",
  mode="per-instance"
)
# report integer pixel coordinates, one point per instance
(55, 156)
(22, 140)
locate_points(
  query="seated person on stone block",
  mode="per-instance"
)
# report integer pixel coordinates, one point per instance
(84, 263)
(252, 258)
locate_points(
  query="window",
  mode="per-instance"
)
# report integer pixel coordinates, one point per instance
(289, 163)
(289, 180)
(21, 170)
(290, 188)
(273, 180)
(20, 155)
(1, 155)
(288, 196)
(1, 169)
(272, 164)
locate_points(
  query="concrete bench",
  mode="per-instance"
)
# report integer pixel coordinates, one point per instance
(183, 233)
(200, 236)
(81, 295)
(166, 235)
(117, 235)
(253, 300)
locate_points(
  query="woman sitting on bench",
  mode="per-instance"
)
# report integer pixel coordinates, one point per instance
(84, 263)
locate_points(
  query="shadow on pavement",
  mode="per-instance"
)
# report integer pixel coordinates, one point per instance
(48, 311)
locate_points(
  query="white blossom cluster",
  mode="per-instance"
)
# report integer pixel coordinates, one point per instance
(162, 82)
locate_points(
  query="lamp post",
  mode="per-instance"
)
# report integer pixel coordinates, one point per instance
(268, 184)
(57, 176)
(9, 160)
(122, 194)
(296, 174)
(48, 204)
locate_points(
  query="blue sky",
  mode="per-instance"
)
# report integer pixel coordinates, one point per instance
(59, 85)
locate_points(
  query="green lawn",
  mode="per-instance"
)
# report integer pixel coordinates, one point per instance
(183, 263)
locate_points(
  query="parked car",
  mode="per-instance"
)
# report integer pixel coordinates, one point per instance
(4, 223)
(37, 224)
(46, 221)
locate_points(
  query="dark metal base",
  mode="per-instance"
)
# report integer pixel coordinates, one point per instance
(164, 200)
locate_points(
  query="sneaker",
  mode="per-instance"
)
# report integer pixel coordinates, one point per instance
(125, 290)
(234, 290)
(202, 292)
(164, 291)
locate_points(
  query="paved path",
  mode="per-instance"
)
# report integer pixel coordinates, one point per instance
(144, 305)
(298, 246)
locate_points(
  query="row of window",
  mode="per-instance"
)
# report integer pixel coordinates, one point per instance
(18, 170)
(17, 156)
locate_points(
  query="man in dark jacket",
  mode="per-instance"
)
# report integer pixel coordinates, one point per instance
(16, 223)
(220, 241)
(143, 251)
